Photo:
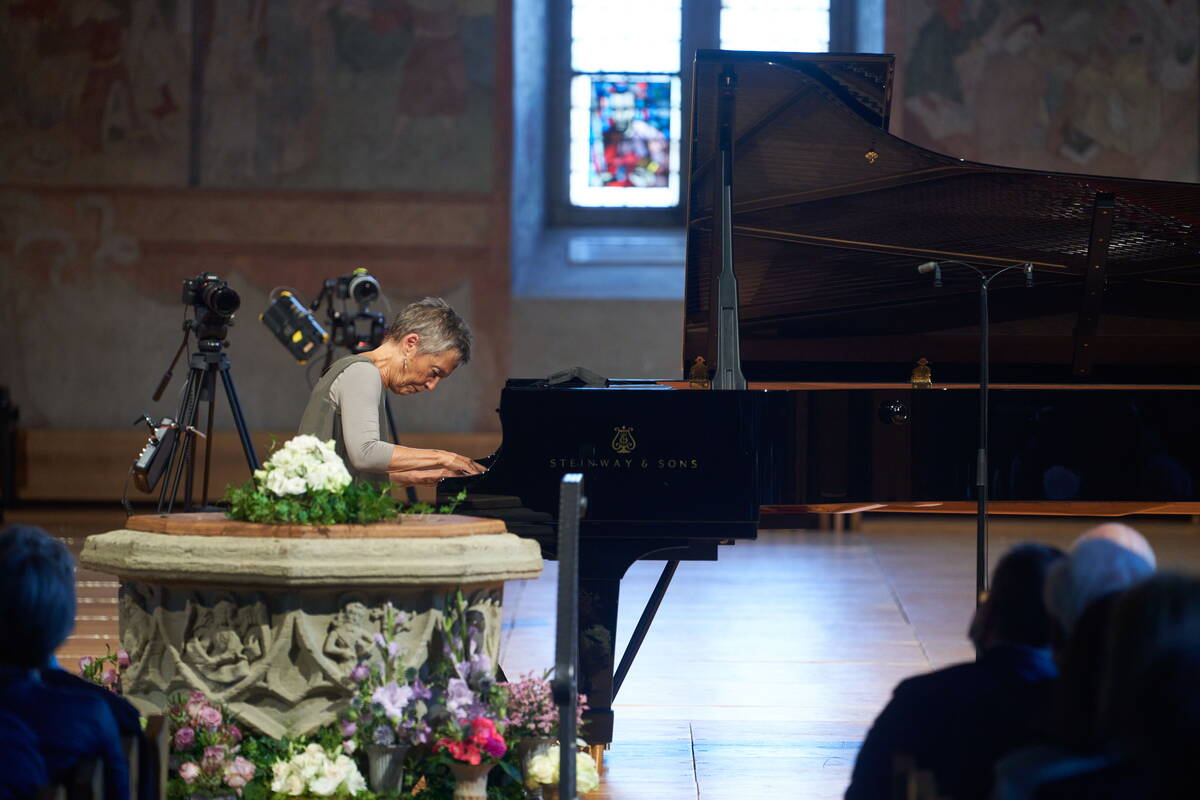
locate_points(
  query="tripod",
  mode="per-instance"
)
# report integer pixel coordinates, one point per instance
(206, 363)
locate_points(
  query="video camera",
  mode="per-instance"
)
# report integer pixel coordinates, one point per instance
(214, 302)
(358, 331)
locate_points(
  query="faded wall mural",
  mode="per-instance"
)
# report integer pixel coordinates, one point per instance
(383, 94)
(94, 91)
(327, 135)
(315, 94)
(1092, 86)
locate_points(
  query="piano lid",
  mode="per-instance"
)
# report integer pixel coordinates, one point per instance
(832, 215)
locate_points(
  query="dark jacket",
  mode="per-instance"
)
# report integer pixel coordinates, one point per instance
(956, 722)
(70, 725)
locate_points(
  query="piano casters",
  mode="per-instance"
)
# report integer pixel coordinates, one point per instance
(981, 460)
(571, 506)
(698, 374)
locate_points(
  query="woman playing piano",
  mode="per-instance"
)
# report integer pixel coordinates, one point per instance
(425, 344)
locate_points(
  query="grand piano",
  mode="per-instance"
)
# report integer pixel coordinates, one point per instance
(806, 224)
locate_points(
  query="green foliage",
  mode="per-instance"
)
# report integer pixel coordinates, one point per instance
(359, 503)
(421, 507)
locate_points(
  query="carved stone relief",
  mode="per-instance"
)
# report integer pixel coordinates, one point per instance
(279, 659)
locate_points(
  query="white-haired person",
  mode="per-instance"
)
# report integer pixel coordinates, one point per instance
(37, 612)
(425, 344)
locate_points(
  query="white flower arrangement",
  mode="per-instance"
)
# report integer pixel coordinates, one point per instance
(304, 464)
(543, 768)
(313, 771)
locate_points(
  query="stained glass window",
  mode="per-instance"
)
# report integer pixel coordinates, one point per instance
(625, 118)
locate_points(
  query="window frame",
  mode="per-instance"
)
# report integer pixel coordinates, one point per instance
(700, 31)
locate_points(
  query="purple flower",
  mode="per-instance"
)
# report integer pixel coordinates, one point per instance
(348, 729)
(383, 735)
(421, 691)
(86, 662)
(109, 677)
(393, 648)
(235, 733)
(459, 698)
(123, 659)
(184, 738)
(379, 640)
(394, 698)
(360, 672)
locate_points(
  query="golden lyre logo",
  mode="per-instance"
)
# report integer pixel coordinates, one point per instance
(623, 442)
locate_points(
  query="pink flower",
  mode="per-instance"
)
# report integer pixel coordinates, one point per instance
(123, 659)
(235, 733)
(359, 673)
(209, 717)
(184, 738)
(348, 747)
(86, 662)
(238, 773)
(196, 705)
(109, 677)
(214, 757)
(189, 771)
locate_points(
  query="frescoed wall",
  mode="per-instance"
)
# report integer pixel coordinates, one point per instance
(1105, 87)
(273, 142)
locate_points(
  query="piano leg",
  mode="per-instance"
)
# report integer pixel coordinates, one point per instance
(598, 599)
(602, 565)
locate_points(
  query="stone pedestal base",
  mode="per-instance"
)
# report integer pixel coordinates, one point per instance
(272, 627)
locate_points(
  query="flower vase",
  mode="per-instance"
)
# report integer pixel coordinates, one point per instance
(470, 780)
(526, 749)
(385, 767)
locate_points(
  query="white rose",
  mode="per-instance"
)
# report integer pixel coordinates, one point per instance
(280, 771)
(354, 780)
(543, 768)
(587, 779)
(295, 486)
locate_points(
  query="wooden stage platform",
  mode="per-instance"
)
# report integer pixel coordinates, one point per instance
(764, 669)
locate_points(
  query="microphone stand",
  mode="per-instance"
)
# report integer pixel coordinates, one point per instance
(981, 458)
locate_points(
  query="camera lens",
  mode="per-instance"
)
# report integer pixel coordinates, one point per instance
(220, 299)
(363, 289)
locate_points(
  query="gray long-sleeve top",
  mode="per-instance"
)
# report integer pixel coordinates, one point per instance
(346, 406)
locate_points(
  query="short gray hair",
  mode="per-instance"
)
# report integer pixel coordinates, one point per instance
(439, 327)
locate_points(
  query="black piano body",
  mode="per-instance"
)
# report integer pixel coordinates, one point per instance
(1095, 370)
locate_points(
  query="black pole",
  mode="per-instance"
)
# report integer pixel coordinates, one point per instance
(571, 506)
(981, 467)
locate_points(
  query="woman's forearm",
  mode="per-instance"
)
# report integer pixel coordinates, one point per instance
(410, 458)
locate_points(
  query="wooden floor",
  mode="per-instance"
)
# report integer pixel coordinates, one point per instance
(764, 669)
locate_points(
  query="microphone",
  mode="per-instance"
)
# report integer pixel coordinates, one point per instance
(935, 268)
(1028, 275)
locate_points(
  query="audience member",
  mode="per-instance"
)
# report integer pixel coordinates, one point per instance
(1149, 702)
(37, 611)
(1081, 591)
(22, 771)
(1123, 535)
(957, 721)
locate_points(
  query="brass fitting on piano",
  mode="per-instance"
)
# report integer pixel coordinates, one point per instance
(922, 376)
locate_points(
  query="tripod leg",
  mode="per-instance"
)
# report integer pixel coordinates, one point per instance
(409, 491)
(239, 421)
(210, 381)
(185, 420)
